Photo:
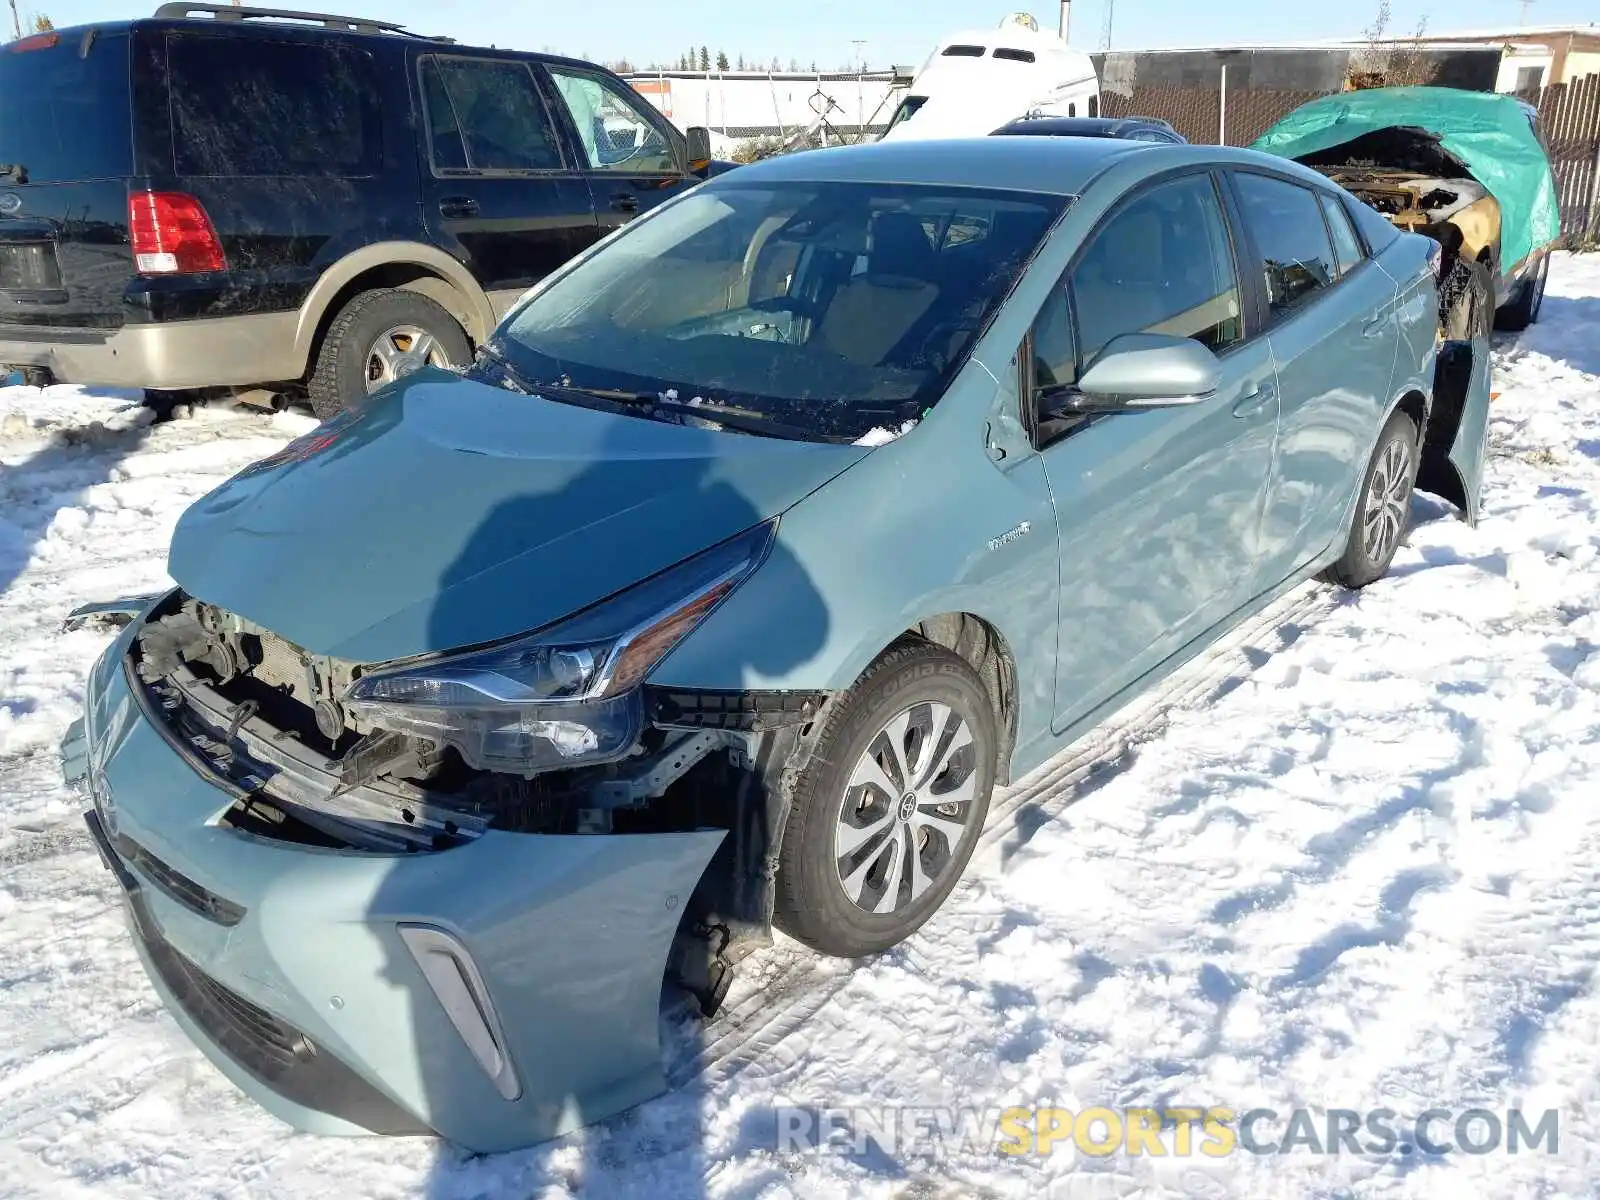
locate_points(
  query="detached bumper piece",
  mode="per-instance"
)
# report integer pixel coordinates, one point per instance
(272, 1052)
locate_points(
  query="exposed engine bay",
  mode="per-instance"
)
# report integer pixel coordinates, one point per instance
(1405, 174)
(265, 719)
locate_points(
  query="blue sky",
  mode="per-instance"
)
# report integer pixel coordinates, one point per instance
(892, 32)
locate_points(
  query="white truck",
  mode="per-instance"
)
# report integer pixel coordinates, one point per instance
(977, 80)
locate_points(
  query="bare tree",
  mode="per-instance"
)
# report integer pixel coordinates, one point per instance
(1388, 61)
(42, 23)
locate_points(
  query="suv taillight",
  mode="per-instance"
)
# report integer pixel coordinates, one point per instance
(171, 234)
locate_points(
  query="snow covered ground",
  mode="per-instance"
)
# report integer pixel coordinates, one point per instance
(1351, 860)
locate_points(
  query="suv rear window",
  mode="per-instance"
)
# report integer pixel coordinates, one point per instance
(254, 106)
(64, 115)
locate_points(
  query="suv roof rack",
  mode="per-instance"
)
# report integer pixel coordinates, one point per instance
(234, 12)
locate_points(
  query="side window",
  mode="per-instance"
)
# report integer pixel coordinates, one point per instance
(1162, 264)
(1289, 230)
(616, 134)
(256, 106)
(1055, 352)
(486, 115)
(1346, 247)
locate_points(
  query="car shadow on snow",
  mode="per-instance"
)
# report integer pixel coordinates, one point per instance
(657, 1148)
(37, 488)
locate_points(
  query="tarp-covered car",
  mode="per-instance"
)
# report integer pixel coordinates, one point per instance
(1467, 169)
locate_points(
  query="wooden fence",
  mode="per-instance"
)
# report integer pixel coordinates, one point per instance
(1569, 116)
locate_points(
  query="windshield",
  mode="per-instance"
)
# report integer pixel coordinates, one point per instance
(829, 307)
(907, 110)
(64, 108)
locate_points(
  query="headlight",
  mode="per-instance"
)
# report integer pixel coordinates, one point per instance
(569, 693)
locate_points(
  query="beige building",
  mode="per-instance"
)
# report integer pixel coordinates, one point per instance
(1535, 55)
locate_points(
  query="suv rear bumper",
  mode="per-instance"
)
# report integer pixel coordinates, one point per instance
(226, 351)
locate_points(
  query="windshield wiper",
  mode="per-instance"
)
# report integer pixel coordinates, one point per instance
(708, 411)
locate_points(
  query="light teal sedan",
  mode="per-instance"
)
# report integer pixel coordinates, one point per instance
(758, 547)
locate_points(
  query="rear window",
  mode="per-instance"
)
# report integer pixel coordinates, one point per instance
(64, 114)
(251, 106)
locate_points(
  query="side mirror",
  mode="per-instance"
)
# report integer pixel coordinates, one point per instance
(699, 145)
(1147, 370)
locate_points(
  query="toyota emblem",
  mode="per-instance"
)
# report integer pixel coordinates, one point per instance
(10, 203)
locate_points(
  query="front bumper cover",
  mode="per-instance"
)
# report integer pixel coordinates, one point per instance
(314, 1004)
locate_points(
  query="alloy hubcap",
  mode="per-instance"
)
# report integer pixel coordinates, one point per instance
(399, 351)
(909, 802)
(1388, 496)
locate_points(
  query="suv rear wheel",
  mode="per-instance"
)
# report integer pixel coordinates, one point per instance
(378, 337)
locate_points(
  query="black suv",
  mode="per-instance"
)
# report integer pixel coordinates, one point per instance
(258, 199)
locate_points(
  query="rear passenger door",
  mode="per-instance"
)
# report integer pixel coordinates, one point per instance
(1334, 337)
(632, 158)
(499, 190)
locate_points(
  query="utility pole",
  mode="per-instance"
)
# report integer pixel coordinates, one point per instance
(1526, 5)
(860, 62)
(1105, 33)
(16, 21)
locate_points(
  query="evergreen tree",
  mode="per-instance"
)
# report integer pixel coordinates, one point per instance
(705, 59)
(722, 61)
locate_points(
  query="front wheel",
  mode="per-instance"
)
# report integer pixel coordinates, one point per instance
(1524, 308)
(886, 814)
(1383, 510)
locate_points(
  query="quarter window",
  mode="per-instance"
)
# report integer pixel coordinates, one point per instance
(1346, 249)
(615, 133)
(1163, 264)
(486, 115)
(1292, 238)
(242, 107)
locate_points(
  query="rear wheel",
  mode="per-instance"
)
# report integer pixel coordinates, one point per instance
(1383, 510)
(377, 338)
(887, 812)
(1524, 308)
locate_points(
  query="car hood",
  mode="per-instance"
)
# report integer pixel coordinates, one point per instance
(449, 512)
(1488, 135)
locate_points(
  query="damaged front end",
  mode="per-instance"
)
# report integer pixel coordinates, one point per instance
(439, 894)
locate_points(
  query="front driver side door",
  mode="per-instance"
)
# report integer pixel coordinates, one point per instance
(1158, 511)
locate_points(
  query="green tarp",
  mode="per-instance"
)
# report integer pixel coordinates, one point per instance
(1489, 133)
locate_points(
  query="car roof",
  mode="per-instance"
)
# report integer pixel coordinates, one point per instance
(279, 20)
(1077, 126)
(1058, 166)
(1048, 166)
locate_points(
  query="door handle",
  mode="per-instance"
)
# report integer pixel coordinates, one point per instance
(1252, 403)
(625, 202)
(458, 206)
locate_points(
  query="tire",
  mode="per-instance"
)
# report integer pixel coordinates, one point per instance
(1466, 300)
(1386, 496)
(1524, 308)
(343, 375)
(911, 688)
